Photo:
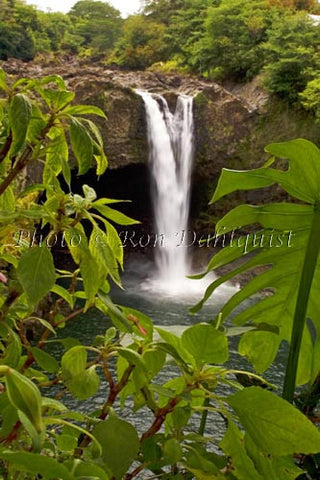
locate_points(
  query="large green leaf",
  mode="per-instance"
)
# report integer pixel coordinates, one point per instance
(249, 462)
(25, 397)
(99, 155)
(102, 162)
(276, 216)
(82, 145)
(119, 319)
(204, 465)
(57, 153)
(63, 293)
(84, 110)
(81, 382)
(300, 180)
(172, 451)
(57, 79)
(73, 362)
(45, 360)
(103, 254)
(233, 445)
(278, 251)
(114, 215)
(19, 117)
(120, 444)
(93, 275)
(253, 343)
(276, 427)
(87, 470)
(7, 201)
(85, 384)
(13, 348)
(282, 282)
(37, 123)
(56, 99)
(272, 467)
(176, 348)
(36, 273)
(205, 344)
(48, 468)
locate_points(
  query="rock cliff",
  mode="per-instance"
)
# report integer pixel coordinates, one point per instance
(232, 124)
(223, 120)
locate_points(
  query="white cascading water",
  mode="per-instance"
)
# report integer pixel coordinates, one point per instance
(170, 139)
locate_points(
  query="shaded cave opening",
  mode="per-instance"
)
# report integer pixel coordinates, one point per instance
(132, 183)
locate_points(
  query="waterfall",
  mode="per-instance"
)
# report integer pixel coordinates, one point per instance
(170, 138)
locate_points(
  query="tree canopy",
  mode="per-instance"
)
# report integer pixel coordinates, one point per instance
(218, 39)
(97, 23)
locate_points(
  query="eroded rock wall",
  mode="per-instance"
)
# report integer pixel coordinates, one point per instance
(232, 125)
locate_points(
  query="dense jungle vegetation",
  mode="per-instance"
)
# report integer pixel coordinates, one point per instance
(209, 420)
(219, 39)
(42, 435)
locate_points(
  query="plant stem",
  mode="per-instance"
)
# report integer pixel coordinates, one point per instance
(309, 266)
(19, 166)
(135, 472)
(69, 317)
(204, 417)
(161, 415)
(115, 392)
(6, 147)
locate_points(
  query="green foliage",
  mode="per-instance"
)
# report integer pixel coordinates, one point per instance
(40, 436)
(309, 5)
(19, 117)
(186, 30)
(235, 45)
(81, 382)
(310, 97)
(55, 32)
(25, 397)
(289, 302)
(120, 445)
(97, 23)
(250, 464)
(143, 43)
(205, 344)
(235, 40)
(279, 434)
(17, 23)
(36, 464)
(26, 31)
(36, 273)
(219, 39)
(162, 10)
(291, 55)
(287, 248)
(171, 66)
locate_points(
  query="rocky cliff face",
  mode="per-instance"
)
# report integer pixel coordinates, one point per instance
(232, 125)
(222, 119)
